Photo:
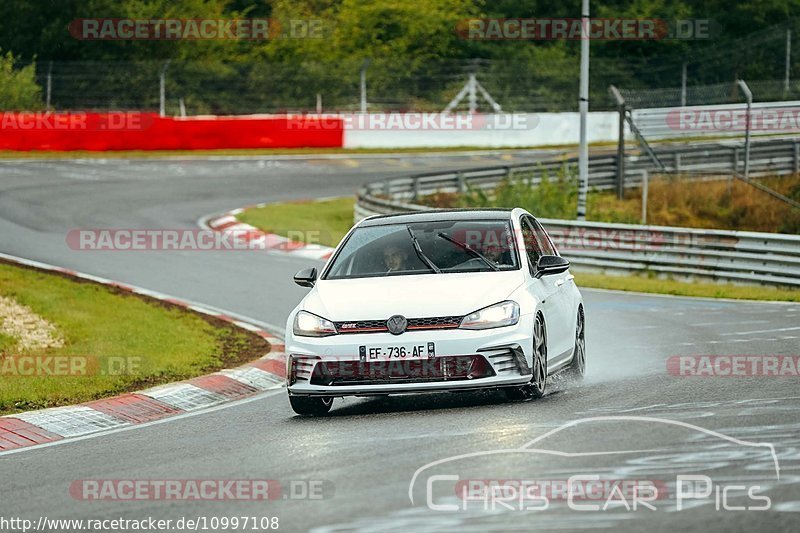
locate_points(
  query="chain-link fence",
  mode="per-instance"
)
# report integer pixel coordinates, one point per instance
(681, 73)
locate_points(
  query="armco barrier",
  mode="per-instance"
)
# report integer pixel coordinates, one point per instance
(148, 131)
(732, 256)
(717, 120)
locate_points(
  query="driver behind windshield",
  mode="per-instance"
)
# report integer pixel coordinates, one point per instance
(395, 258)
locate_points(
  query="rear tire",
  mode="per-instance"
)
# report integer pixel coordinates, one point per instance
(311, 405)
(538, 384)
(577, 369)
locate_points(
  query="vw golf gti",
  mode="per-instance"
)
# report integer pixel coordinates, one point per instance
(445, 300)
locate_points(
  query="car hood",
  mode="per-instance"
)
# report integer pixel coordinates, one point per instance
(417, 296)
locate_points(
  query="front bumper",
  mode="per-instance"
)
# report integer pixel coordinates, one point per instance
(464, 360)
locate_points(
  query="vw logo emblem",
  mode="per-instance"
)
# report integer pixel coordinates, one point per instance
(397, 324)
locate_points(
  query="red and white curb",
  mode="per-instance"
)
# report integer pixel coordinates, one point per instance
(48, 425)
(263, 240)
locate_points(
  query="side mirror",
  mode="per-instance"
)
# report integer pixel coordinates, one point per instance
(306, 277)
(550, 264)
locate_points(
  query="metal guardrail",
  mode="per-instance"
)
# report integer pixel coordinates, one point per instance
(732, 256)
(725, 158)
(714, 120)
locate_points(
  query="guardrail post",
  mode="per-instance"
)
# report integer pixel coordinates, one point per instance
(462, 183)
(415, 184)
(645, 182)
(677, 161)
(796, 157)
(387, 188)
(621, 153)
(735, 160)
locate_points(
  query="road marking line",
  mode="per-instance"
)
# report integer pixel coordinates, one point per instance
(794, 328)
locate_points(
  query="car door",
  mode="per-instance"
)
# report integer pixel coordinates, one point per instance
(544, 289)
(562, 327)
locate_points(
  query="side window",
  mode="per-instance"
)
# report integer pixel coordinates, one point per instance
(543, 239)
(532, 247)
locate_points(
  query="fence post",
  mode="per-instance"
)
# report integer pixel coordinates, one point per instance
(645, 183)
(749, 96)
(796, 157)
(363, 85)
(735, 159)
(49, 85)
(620, 142)
(162, 90)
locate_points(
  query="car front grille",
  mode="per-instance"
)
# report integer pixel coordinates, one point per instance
(414, 324)
(450, 368)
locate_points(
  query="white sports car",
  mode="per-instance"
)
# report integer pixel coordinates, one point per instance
(448, 300)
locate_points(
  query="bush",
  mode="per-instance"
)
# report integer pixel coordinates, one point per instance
(18, 88)
(550, 198)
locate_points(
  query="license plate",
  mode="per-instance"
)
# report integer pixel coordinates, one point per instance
(420, 350)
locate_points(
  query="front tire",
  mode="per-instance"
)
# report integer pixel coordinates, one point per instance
(311, 405)
(538, 384)
(577, 369)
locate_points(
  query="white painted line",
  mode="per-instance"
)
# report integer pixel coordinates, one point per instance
(245, 325)
(759, 331)
(227, 405)
(72, 421)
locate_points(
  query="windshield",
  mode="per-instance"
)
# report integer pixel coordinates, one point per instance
(441, 247)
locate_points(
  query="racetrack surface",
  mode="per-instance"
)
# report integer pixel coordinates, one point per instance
(368, 450)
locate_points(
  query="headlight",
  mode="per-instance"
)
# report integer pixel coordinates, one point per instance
(310, 325)
(494, 316)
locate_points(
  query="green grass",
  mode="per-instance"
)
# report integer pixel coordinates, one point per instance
(680, 288)
(334, 218)
(163, 343)
(316, 222)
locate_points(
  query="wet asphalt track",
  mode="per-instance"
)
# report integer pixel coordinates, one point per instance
(368, 450)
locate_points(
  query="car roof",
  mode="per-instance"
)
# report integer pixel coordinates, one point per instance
(436, 215)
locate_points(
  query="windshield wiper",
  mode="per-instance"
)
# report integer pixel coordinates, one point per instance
(424, 258)
(469, 250)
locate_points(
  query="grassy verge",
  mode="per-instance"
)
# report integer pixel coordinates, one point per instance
(332, 218)
(126, 342)
(316, 222)
(680, 288)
